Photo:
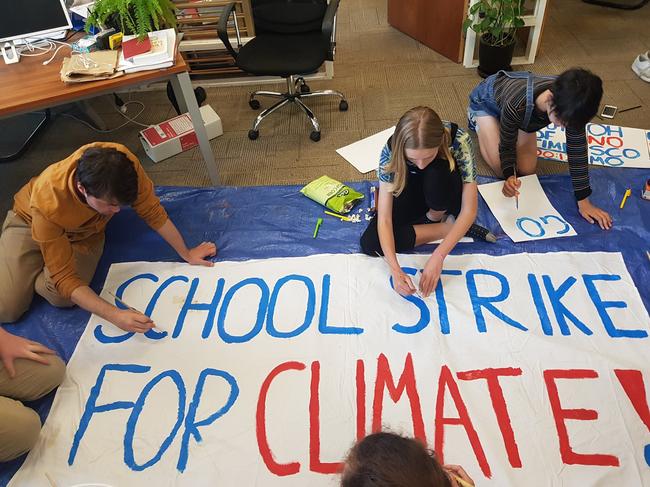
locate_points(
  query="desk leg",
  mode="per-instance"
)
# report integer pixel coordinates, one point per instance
(187, 103)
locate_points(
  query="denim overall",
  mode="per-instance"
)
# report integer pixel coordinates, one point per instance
(482, 102)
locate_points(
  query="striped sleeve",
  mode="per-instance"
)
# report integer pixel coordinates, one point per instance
(512, 115)
(576, 147)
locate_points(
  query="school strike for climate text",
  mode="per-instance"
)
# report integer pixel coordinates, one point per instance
(265, 372)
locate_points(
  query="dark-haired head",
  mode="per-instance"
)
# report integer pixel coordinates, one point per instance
(576, 97)
(108, 174)
(390, 460)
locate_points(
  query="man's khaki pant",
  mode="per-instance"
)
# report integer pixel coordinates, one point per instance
(20, 425)
(22, 272)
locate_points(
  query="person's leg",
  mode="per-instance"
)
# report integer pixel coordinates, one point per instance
(442, 190)
(370, 239)
(526, 153)
(20, 425)
(20, 262)
(430, 231)
(85, 264)
(19, 429)
(403, 235)
(488, 130)
(410, 205)
(437, 187)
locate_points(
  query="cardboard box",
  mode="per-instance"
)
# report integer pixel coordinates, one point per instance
(177, 134)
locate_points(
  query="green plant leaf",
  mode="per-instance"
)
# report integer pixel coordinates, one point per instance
(498, 18)
(134, 16)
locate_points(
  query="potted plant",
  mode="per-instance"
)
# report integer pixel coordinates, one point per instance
(132, 16)
(496, 22)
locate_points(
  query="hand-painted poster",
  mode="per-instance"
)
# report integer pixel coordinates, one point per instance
(609, 145)
(527, 369)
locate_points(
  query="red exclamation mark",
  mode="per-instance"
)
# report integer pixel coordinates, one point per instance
(632, 382)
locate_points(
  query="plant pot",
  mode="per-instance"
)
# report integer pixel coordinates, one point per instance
(113, 21)
(493, 58)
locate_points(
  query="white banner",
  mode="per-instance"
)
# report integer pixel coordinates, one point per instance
(608, 145)
(526, 369)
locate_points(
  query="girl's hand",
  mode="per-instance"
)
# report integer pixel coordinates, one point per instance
(511, 187)
(593, 214)
(431, 274)
(402, 283)
(458, 476)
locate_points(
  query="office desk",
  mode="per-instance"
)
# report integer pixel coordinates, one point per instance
(29, 86)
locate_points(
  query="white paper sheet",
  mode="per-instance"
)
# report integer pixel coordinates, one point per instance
(519, 367)
(364, 154)
(535, 219)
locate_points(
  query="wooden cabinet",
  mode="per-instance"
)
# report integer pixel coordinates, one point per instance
(437, 24)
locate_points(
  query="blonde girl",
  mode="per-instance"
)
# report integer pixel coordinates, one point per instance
(427, 191)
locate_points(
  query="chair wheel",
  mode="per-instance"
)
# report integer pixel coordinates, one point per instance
(315, 136)
(254, 134)
(343, 106)
(304, 88)
(254, 104)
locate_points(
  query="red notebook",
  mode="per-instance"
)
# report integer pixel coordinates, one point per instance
(133, 47)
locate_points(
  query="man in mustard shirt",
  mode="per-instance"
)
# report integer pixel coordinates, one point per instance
(51, 243)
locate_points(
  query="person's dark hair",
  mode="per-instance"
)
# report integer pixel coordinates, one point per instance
(390, 460)
(107, 173)
(576, 96)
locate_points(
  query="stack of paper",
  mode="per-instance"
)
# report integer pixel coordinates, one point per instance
(161, 54)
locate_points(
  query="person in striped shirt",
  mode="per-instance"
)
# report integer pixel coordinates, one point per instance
(508, 108)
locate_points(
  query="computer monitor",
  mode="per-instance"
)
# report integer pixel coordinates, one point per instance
(33, 18)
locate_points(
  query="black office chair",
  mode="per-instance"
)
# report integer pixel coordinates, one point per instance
(292, 38)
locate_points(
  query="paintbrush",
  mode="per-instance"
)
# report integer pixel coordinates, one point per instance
(516, 195)
(123, 303)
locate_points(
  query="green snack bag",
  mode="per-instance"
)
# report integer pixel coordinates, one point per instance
(330, 193)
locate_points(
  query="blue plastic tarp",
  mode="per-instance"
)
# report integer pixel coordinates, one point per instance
(278, 221)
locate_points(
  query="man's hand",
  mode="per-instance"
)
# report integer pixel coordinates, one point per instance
(13, 347)
(402, 283)
(197, 255)
(431, 274)
(593, 214)
(132, 321)
(511, 187)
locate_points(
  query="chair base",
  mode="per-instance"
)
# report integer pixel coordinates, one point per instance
(296, 90)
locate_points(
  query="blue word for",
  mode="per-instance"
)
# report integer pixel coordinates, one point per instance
(217, 308)
(534, 229)
(185, 418)
(480, 304)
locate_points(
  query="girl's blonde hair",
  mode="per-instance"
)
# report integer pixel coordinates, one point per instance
(419, 128)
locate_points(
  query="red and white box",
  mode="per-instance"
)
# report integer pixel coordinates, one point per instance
(177, 134)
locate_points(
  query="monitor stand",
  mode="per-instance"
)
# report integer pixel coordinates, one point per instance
(9, 53)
